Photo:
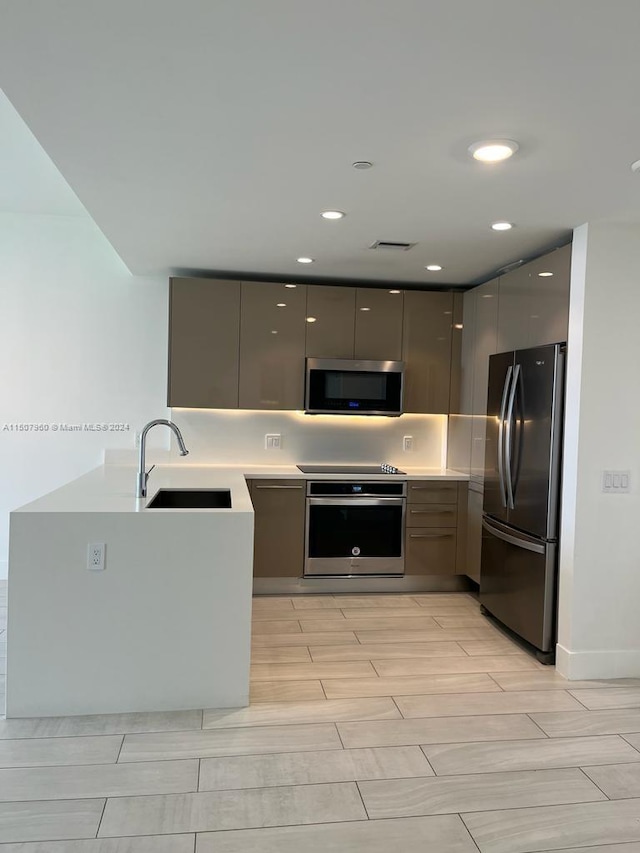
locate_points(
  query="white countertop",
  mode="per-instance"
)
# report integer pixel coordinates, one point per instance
(112, 488)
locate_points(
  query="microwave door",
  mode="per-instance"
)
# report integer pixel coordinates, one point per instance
(343, 386)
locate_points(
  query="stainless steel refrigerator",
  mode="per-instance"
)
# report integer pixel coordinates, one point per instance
(520, 522)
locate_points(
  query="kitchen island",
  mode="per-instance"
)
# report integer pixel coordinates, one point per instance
(166, 625)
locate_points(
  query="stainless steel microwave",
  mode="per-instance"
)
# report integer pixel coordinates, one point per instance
(342, 386)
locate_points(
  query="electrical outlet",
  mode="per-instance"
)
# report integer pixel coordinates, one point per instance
(96, 554)
(407, 442)
(273, 441)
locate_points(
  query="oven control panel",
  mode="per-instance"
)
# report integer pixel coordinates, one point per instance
(341, 488)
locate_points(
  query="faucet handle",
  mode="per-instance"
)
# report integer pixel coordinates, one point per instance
(146, 473)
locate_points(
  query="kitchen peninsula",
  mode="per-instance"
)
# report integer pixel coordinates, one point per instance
(166, 625)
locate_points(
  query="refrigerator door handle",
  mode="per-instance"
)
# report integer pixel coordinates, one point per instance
(501, 430)
(512, 540)
(509, 429)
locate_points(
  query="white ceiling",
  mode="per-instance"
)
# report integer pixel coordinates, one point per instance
(208, 135)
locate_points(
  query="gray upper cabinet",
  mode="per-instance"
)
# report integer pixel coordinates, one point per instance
(485, 343)
(331, 321)
(426, 350)
(457, 326)
(378, 325)
(272, 345)
(514, 309)
(549, 316)
(534, 308)
(204, 334)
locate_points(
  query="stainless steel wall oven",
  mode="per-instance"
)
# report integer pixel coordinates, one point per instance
(355, 528)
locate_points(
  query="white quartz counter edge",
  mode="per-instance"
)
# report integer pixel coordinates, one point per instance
(112, 488)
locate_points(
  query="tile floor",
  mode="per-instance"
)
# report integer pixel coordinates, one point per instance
(377, 722)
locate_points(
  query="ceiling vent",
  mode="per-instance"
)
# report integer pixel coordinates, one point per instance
(389, 244)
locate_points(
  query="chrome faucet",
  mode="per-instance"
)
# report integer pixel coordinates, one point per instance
(143, 475)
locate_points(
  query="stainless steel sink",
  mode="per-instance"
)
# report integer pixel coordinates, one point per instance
(191, 499)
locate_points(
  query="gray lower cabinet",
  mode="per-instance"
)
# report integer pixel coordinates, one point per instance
(272, 346)
(435, 528)
(474, 534)
(430, 551)
(426, 351)
(204, 334)
(279, 507)
(378, 324)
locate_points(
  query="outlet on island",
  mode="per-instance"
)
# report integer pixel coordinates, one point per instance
(96, 552)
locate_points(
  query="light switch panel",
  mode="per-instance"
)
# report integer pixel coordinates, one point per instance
(616, 482)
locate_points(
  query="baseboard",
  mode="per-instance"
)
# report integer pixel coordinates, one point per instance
(585, 665)
(4, 569)
(357, 585)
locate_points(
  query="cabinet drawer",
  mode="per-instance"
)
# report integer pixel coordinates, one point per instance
(431, 492)
(432, 515)
(430, 551)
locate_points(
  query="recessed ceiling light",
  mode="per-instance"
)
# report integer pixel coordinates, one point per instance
(487, 295)
(545, 274)
(365, 309)
(394, 291)
(332, 214)
(493, 150)
(311, 319)
(502, 226)
(305, 260)
(273, 332)
(281, 305)
(362, 164)
(291, 285)
(433, 268)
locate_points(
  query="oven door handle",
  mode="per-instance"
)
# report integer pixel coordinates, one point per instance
(351, 501)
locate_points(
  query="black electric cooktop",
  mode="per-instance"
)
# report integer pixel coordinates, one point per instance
(358, 470)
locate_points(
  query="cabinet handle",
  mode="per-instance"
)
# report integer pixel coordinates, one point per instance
(278, 487)
(430, 535)
(432, 511)
(432, 488)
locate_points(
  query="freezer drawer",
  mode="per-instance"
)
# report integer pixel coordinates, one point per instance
(518, 583)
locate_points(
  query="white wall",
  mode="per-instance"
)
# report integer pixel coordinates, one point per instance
(229, 436)
(81, 341)
(599, 595)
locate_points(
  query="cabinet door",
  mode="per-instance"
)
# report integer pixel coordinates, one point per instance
(430, 551)
(331, 321)
(378, 326)
(514, 309)
(204, 333)
(272, 341)
(549, 304)
(278, 549)
(474, 534)
(455, 370)
(485, 345)
(426, 349)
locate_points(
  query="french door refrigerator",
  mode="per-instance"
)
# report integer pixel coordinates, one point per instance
(521, 493)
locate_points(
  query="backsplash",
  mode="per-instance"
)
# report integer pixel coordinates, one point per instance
(231, 436)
